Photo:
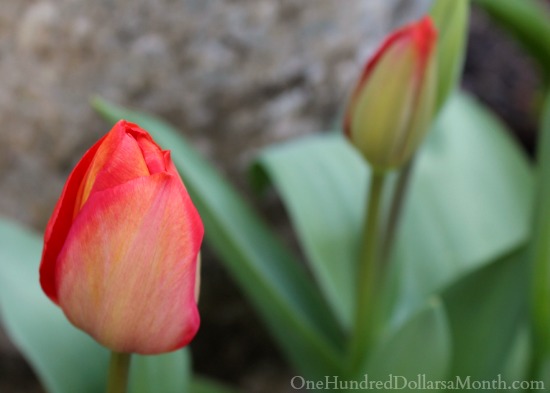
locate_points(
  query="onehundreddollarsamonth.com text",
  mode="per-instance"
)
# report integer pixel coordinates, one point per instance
(421, 382)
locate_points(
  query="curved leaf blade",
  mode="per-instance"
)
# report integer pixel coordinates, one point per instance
(487, 311)
(323, 183)
(470, 201)
(422, 345)
(452, 20)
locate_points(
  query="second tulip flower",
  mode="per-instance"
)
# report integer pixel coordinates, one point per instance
(393, 103)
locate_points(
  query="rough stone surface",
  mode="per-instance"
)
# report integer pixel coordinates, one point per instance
(233, 75)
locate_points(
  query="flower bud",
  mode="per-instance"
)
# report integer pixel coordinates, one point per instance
(393, 104)
(121, 248)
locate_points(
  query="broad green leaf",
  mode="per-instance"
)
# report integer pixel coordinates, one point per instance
(528, 21)
(468, 203)
(167, 373)
(65, 359)
(271, 277)
(422, 345)
(487, 312)
(203, 385)
(323, 183)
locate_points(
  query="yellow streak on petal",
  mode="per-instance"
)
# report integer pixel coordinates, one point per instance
(120, 159)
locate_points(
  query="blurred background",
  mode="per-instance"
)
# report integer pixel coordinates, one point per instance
(234, 76)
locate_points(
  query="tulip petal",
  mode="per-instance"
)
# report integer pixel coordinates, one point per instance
(60, 222)
(152, 153)
(118, 160)
(422, 115)
(126, 274)
(114, 159)
(186, 199)
(401, 35)
(424, 37)
(386, 103)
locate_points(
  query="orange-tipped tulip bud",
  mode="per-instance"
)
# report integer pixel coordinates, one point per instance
(392, 106)
(120, 250)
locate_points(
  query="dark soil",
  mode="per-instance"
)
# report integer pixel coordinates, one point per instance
(501, 75)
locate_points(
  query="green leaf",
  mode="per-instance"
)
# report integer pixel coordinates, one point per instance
(323, 183)
(269, 274)
(487, 312)
(203, 385)
(451, 19)
(422, 345)
(469, 203)
(65, 359)
(528, 21)
(167, 373)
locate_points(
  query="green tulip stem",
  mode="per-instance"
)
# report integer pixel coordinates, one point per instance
(118, 372)
(397, 202)
(368, 279)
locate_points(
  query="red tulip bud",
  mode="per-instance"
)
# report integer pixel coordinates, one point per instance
(120, 250)
(393, 104)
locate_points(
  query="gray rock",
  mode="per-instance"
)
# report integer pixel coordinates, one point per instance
(234, 74)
